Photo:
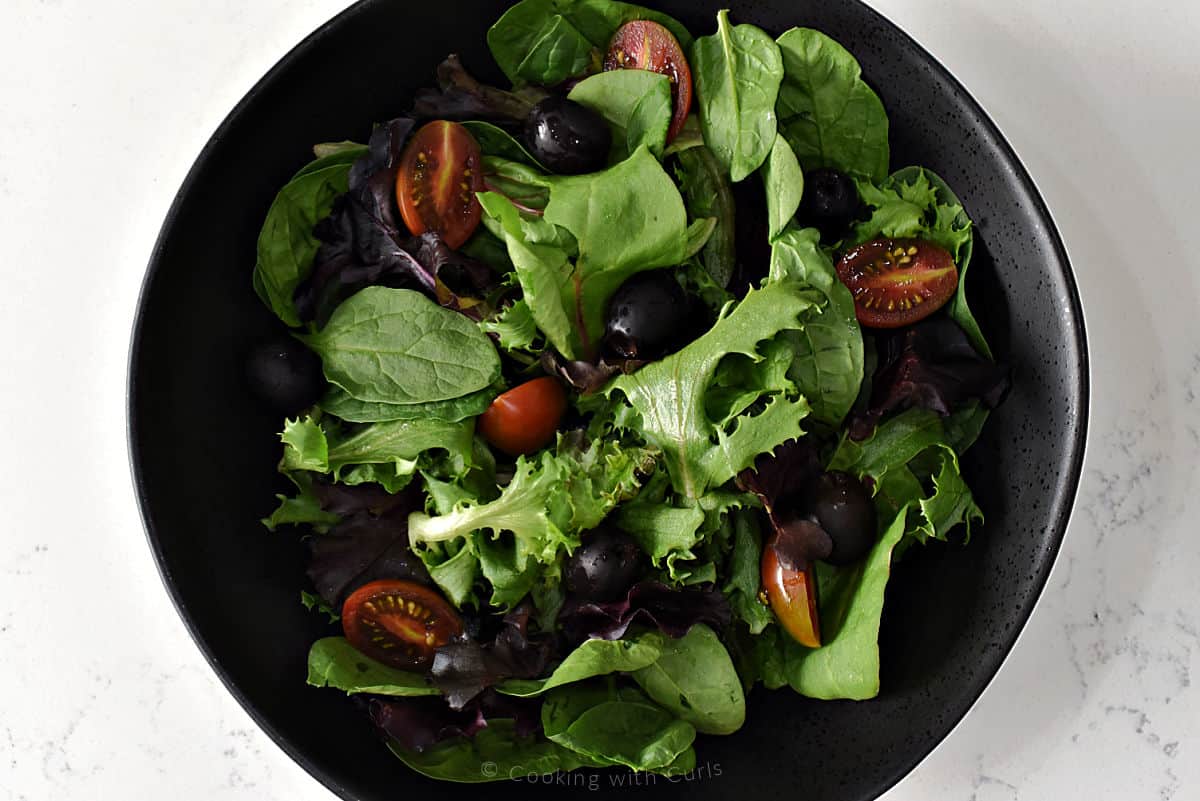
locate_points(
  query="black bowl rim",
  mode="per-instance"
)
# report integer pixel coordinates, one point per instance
(1022, 175)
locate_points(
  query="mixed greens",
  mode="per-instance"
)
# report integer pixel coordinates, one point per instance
(616, 393)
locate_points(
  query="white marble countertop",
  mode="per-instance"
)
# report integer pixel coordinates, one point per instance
(105, 103)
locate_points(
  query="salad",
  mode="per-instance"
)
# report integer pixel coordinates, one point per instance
(615, 393)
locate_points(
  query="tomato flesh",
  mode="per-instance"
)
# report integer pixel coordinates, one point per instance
(896, 282)
(399, 623)
(525, 418)
(792, 594)
(646, 45)
(440, 172)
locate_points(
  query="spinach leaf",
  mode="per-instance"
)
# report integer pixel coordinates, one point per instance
(611, 726)
(670, 395)
(829, 115)
(737, 72)
(495, 141)
(286, 245)
(784, 182)
(851, 602)
(636, 104)
(592, 658)
(623, 220)
(496, 753)
(340, 403)
(397, 346)
(334, 662)
(547, 41)
(828, 360)
(744, 578)
(707, 193)
(389, 451)
(694, 678)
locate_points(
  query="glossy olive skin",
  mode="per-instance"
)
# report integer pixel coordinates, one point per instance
(605, 566)
(829, 203)
(840, 504)
(566, 137)
(284, 374)
(649, 316)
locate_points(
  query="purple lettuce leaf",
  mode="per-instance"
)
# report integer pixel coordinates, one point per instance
(365, 546)
(460, 97)
(779, 480)
(464, 668)
(930, 365)
(649, 603)
(419, 723)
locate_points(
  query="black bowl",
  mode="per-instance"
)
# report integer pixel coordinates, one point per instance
(204, 453)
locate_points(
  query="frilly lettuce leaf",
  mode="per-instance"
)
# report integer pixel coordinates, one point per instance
(670, 396)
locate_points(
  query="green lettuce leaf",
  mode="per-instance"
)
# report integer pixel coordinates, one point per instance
(334, 662)
(694, 678)
(830, 117)
(286, 245)
(548, 41)
(514, 327)
(737, 72)
(743, 574)
(784, 183)
(636, 104)
(828, 351)
(669, 395)
(593, 658)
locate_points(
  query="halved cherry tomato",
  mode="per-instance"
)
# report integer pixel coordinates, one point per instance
(399, 623)
(897, 281)
(525, 418)
(791, 590)
(441, 169)
(645, 45)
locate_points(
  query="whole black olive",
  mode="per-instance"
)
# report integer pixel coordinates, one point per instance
(605, 566)
(649, 316)
(840, 504)
(284, 374)
(566, 137)
(829, 203)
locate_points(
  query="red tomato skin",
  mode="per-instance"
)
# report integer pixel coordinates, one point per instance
(526, 418)
(792, 595)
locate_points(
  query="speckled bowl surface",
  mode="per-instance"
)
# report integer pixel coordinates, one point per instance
(204, 454)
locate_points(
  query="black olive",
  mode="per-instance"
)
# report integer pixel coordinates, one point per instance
(840, 504)
(605, 566)
(567, 138)
(651, 316)
(284, 374)
(829, 203)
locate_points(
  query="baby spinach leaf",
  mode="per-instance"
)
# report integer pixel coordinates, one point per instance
(669, 395)
(737, 72)
(496, 753)
(828, 361)
(615, 727)
(592, 658)
(547, 41)
(851, 602)
(397, 346)
(340, 403)
(334, 662)
(286, 245)
(829, 115)
(784, 182)
(707, 193)
(694, 678)
(636, 104)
